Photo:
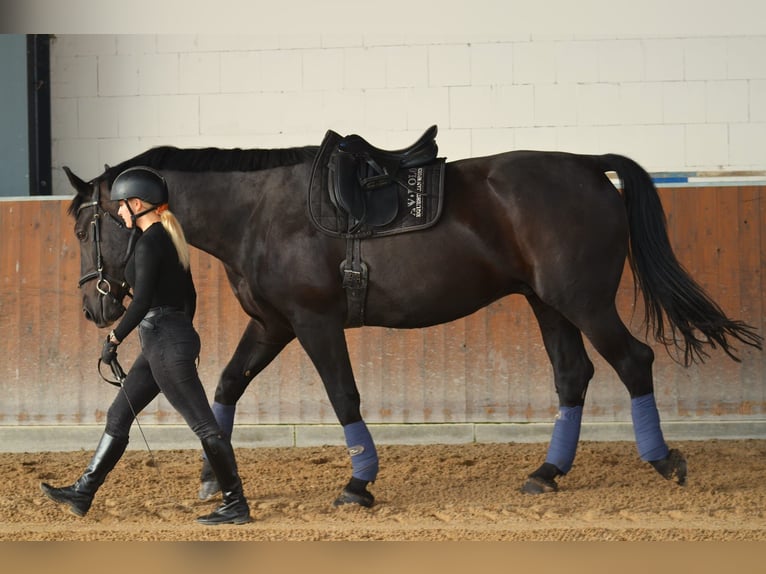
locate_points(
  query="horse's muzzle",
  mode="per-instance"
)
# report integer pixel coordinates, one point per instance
(90, 316)
(103, 313)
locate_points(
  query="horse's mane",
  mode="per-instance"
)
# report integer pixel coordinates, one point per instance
(207, 159)
(215, 159)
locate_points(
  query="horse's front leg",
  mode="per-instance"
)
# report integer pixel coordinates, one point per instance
(572, 371)
(251, 356)
(325, 344)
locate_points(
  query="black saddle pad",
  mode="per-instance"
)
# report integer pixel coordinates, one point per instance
(420, 197)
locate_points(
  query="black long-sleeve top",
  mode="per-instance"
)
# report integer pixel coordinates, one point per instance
(157, 278)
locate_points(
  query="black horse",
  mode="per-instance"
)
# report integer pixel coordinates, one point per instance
(547, 225)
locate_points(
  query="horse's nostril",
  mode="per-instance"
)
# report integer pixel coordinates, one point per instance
(87, 314)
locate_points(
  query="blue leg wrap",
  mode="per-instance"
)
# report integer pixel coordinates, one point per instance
(361, 449)
(224, 415)
(646, 424)
(566, 434)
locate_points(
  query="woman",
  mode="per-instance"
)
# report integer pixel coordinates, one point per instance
(164, 301)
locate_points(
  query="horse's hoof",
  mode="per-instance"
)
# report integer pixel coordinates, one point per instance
(672, 466)
(539, 485)
(365, 499)
(208, 489)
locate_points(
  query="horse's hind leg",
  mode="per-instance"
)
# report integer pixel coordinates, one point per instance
(572, 371)
(251, 356)
(633, 360)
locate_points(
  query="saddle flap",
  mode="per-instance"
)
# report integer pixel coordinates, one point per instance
(343, 184)
(369, 195)
(381, 202)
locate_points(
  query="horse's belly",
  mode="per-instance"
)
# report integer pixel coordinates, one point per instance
(425, 301)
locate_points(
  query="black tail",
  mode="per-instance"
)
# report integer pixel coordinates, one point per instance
(669, 291)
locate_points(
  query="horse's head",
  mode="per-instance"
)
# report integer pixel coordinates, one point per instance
(103, 244)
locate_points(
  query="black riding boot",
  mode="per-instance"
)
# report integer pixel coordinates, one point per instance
(79, 496)
(234, 509)
(208, 486)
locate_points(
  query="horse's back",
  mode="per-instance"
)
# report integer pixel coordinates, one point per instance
(516, 222)
(530, 165)
(545, 186)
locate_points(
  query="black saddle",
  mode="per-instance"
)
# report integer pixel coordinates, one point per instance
(365, 180)
(358, 190)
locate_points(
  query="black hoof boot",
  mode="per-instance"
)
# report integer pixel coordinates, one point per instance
(542, 480)
(209, 486)
(355, 492)
(672, 466)
(235, 511)
(78, 502)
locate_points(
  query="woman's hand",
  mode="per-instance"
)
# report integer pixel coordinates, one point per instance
(109, 351)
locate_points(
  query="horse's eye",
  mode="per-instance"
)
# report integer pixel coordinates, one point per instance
(81, 234)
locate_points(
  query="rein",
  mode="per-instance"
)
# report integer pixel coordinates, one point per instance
(117, 371)
(103, 281)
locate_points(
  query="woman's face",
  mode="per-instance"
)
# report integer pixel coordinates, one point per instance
(125, 213)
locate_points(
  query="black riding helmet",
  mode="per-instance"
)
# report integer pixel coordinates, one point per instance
(147, 185)
(142, 182)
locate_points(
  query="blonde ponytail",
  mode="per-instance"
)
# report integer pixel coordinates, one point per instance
(176, 232)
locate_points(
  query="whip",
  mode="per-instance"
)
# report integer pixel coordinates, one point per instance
(120, 377)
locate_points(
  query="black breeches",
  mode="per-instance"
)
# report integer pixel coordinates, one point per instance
(170, 347)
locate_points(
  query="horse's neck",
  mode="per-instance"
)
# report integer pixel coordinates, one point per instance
(218, 211)
(212, 223)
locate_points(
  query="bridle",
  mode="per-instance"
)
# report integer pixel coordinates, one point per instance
(103, 281)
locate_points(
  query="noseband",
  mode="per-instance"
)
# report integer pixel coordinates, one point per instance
(103, 281)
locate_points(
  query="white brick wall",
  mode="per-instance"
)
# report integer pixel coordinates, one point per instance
(672, 103)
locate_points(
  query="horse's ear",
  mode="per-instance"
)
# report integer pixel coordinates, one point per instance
(80, 186)
(106, 167)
